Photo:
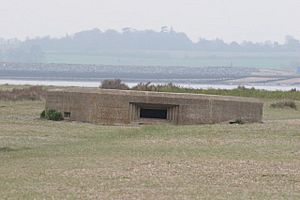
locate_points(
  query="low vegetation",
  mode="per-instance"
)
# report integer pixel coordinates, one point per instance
(38, 93)
(239, 91)
(113, 84)
(284, 104)
(51, 115)
(22, 93)
(148, 87)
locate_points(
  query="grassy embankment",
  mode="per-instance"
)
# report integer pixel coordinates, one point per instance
(176, 58)
(69, 160)
(240, 91)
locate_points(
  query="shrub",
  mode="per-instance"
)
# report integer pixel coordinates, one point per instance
(242, 87)
(169, 87)
(52, 115)
(114, 84)
(145, 87)
(284, 104)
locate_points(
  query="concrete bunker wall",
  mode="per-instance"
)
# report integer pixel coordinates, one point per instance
(124, 108)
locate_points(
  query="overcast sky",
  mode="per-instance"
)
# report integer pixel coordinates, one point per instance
(256, 20)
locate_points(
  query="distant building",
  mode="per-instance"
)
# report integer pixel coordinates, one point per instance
(140, 107)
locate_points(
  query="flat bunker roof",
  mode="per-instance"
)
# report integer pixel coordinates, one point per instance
(153, 93)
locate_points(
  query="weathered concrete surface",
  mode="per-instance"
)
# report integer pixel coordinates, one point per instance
(123, 106)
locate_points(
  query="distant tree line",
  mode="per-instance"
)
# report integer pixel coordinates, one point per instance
(92, 41)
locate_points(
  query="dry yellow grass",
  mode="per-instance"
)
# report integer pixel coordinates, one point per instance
(68, 160)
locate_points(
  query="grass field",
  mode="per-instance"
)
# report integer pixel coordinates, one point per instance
(69, 160)
(179, 58)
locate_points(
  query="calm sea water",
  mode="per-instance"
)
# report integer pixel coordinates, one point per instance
(130, 84)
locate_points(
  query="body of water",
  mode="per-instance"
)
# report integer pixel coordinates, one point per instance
(131, 84)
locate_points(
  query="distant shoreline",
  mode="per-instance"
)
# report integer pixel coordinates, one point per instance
(193, 77)
(131, 84)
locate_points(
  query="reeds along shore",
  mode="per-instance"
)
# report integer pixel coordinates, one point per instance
(240, 91)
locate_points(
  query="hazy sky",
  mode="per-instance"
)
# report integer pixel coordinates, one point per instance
(256, 20)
